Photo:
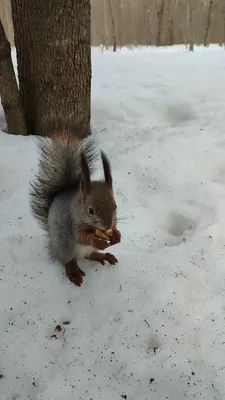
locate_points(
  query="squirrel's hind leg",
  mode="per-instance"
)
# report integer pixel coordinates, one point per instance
(74, 273)
(102, 257)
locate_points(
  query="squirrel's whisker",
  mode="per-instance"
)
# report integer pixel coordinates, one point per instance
(124, 222)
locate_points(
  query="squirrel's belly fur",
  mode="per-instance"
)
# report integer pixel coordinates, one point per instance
(82, 251)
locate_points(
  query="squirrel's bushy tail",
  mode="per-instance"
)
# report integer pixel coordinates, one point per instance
(59, 170)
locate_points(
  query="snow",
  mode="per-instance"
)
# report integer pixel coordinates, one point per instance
(153, 326)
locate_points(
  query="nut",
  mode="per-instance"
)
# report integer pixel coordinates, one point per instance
(109, 232)
(104, 234)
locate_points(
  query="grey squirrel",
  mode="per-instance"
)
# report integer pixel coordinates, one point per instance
(69, 206)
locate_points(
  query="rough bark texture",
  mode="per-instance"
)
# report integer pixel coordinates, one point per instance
(9, 92)
(52, 39)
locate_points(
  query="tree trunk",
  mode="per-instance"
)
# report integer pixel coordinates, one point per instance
(171, 33)
(113, 27)
(208, 23)
(224, 27)
(9, 92)
(53, 42)
(222, 40)
(106, 34)
(191, 26)
(160, 20)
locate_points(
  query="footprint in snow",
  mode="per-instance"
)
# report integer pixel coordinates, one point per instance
(178, 227)
(178, 224)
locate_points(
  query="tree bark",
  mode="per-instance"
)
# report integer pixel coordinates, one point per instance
(53, 42)
(9, 92)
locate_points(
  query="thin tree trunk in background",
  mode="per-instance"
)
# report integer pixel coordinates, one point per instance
(191, 39)
(160, 20)
(224, 26)
(106, 34)
(119, 30)
(9, 92)
(208, 23)
(113, 27)
(171, 33)
(53, 39)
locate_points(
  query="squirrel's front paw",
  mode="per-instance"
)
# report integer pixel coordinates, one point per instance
(116, 237)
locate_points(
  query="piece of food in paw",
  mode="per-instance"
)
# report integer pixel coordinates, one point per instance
(105, 235)
(109, 232)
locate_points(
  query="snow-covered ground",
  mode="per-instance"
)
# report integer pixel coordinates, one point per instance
(153, 326)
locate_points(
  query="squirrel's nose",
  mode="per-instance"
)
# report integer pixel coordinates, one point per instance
(107, 227)
(108, 224)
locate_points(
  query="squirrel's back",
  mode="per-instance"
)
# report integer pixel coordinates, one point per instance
(59, 170)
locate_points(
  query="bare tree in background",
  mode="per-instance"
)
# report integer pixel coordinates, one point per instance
(147, 24)
(137, 22)
(191, 25)
(9, 92)
(224, 24)
(52, 40)
(208, 23)
(156, 22)
(160, 21)
(106, 35)
(113, 26)
(171, 33)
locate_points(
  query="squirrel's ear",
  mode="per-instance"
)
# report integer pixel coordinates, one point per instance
(107, 169)
(86, 182)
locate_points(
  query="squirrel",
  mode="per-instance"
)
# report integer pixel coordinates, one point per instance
(69, 207)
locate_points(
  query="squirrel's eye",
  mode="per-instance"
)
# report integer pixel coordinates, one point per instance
(91, 211)
(115, 206)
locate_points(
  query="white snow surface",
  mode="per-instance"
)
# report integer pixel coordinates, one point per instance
(153, 326)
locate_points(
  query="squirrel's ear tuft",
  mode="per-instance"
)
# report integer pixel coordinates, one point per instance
(86, 182)
(107, 169)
